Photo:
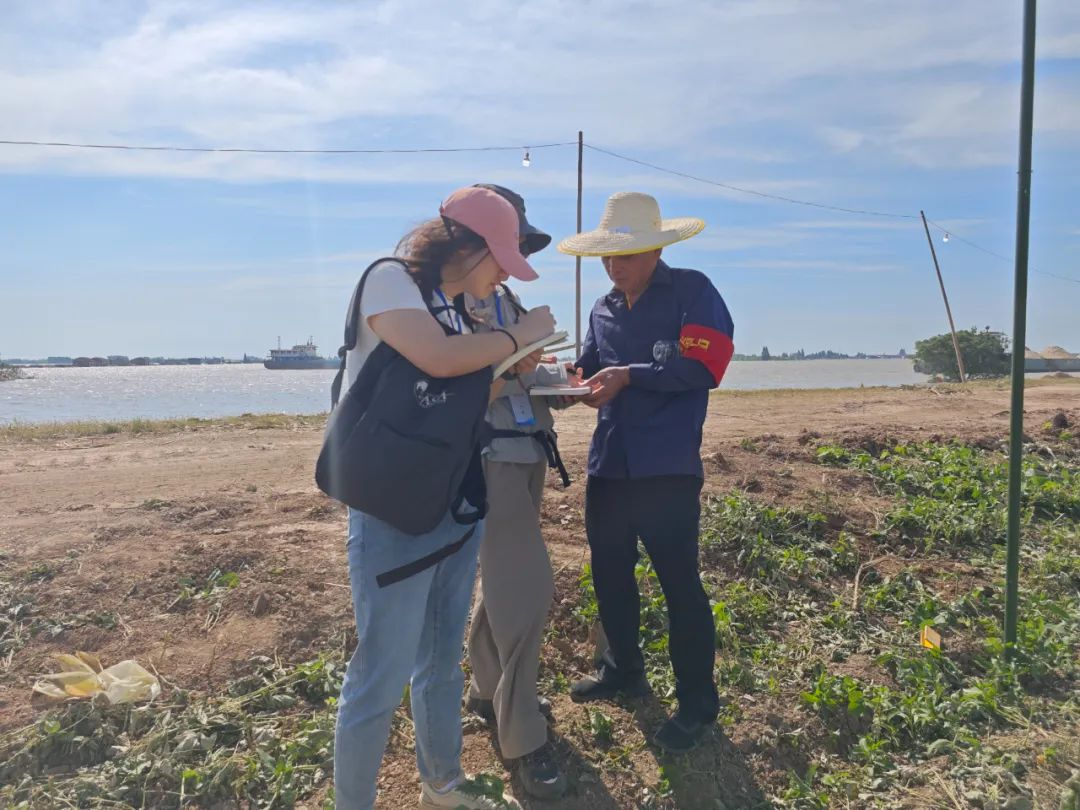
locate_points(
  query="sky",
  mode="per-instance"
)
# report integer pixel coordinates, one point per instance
(876, 105)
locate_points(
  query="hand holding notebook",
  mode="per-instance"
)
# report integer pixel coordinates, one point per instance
(552, 380)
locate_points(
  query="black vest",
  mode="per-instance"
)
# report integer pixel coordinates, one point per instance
(401, 445)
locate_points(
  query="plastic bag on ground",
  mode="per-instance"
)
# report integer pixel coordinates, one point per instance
(84, 677)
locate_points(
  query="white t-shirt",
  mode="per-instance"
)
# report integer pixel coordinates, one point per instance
(388, 287)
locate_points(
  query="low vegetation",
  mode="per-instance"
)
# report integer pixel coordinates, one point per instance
(19, 432)
(829, 697)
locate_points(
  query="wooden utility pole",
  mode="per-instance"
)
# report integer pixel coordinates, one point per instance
(945, 298)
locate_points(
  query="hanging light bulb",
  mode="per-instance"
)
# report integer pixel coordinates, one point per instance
(525, 160)
(945, 238)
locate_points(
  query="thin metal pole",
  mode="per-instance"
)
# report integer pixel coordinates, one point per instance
(945, 298)
(1016, 426)
(577, 260)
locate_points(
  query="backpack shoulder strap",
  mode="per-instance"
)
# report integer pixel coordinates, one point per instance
(462, 311)
(352, 327)
(513, 299)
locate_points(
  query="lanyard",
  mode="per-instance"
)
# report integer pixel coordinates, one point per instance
(450, 309)
(498, 309)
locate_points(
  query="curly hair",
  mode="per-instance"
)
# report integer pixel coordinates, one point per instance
(431, 245)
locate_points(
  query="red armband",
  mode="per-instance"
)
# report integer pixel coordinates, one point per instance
(710, 347)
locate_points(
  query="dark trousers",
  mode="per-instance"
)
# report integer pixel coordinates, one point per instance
(664, 512)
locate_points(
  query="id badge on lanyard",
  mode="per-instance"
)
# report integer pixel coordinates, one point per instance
(521, 406)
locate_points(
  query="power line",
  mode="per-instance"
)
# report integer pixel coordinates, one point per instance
(811, 204)
(953, 235)
(1055, 275)
(751, 191)
(526, 148)
(968, 242)
(144, 148)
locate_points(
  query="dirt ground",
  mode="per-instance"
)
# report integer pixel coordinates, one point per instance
(107, 528)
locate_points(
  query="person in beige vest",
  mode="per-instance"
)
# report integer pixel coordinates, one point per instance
(516, 580)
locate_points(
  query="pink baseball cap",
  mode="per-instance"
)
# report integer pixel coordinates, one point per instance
(495, 220)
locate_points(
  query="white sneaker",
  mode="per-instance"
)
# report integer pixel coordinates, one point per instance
(465, 795)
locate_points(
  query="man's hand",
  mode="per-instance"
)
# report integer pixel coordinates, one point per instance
(606, 385)
(575, 378)
(527, 365)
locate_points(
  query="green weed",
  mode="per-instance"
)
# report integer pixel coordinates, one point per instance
(267, 743)
(955, 495)
(601, 726)
(770, 543)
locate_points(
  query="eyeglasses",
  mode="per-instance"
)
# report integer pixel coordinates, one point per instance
(473, 261)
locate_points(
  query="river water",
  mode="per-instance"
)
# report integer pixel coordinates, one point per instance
(157, 392)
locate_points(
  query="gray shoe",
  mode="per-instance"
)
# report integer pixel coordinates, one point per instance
(540, 774)
(467, 795)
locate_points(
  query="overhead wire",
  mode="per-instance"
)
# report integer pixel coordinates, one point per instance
(523, 147)
(754, 192)
(280, 151)
(869, 212)
(954, 235)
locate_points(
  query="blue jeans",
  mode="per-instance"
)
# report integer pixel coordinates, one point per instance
(410, 631)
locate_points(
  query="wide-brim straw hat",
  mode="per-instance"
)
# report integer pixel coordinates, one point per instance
(631, 224)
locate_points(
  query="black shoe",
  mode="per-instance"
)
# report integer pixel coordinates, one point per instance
(681, 734)
(609, 683)
(540, 775)
(485, 709)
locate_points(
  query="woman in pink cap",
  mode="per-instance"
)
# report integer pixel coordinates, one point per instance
(411, 631)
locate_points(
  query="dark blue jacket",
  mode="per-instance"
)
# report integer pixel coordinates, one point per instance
(677, 341)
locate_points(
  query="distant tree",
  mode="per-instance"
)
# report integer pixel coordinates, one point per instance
(764, 352)
(985, 354)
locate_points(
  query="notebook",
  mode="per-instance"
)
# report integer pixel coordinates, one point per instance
(525, 351)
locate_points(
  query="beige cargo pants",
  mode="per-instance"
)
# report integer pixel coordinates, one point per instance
(512, 602)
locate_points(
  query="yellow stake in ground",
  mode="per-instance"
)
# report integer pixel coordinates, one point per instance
(930, 638)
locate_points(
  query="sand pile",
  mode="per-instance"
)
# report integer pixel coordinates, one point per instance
(1057, 353)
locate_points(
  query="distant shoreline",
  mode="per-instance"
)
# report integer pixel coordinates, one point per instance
(739, 358)
(166, 362)
(742, 358)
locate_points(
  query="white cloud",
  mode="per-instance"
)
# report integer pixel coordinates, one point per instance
(843, 140)
(918, 82)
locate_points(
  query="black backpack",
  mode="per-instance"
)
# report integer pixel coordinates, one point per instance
(401, 445)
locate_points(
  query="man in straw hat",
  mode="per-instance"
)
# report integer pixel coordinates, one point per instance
(655, 346)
